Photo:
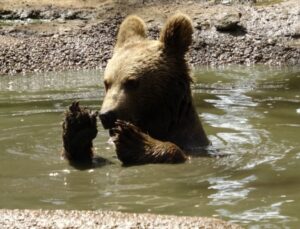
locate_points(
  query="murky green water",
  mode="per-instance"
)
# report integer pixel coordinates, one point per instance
(251, 113)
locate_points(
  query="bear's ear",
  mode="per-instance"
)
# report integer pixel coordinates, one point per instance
(132, 28)
(177, 34)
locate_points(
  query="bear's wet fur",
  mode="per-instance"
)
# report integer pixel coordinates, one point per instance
(148, 86)
(79, 130)
(148, 105)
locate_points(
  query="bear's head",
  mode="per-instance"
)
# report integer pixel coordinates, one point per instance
(147, 82)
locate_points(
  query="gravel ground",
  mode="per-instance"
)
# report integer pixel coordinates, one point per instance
(102, 219)
(235, 34)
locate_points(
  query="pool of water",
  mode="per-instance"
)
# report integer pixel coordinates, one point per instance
(252, 113)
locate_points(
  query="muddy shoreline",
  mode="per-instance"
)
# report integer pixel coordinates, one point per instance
(54, 39)
(102, 219)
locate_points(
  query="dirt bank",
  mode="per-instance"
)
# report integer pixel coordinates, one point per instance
(101, 219)
(45, 36)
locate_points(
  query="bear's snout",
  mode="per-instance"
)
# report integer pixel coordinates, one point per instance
(108, 119)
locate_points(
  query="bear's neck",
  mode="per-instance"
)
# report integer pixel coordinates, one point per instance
(188, 132)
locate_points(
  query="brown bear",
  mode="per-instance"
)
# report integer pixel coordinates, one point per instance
(148, 105)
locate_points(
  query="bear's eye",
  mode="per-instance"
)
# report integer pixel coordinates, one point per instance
(106, 85)
(131, 84)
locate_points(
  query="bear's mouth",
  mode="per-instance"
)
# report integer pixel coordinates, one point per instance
(108, 119)
(111, 132)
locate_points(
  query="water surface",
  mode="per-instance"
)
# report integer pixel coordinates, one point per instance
(252, 113)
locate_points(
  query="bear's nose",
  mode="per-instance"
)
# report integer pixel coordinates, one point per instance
(108, 119)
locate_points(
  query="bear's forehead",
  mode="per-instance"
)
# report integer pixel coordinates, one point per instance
(134, 59)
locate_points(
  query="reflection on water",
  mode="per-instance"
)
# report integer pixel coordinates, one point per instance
(229, 192)
(251, 113)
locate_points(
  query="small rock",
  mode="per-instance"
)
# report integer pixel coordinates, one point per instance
(228, 21)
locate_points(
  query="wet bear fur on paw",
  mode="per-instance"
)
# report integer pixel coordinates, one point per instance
(79, 130)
